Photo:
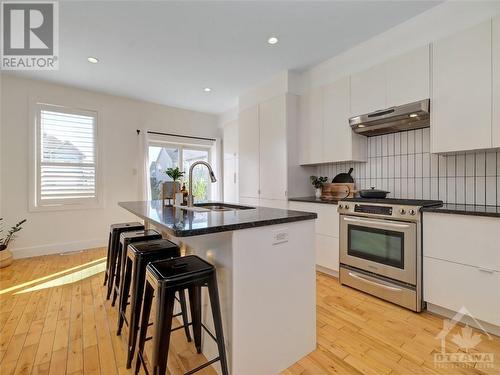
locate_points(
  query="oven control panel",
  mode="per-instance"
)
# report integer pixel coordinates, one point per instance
(408, 213)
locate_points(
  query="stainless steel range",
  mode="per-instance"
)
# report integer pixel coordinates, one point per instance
(381, 248)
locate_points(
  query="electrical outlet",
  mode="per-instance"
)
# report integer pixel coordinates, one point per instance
(280, 236)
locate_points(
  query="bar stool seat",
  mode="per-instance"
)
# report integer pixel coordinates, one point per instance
(127, 238)
(114, 237)
(163, 279)
(139, 255)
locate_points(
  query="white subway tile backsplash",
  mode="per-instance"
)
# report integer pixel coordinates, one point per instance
(491, 163)
(401, 163)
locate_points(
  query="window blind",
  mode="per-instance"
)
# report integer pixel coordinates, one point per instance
(67, 156)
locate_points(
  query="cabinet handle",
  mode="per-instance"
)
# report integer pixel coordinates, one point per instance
(486, 270)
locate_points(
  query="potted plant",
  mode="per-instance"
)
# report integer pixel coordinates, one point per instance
(175, 174)
(5, 254)
(318, 182)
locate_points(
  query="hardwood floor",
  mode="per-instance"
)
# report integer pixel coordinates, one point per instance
(54, 320)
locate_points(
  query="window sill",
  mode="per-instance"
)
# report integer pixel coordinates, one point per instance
(66, 207)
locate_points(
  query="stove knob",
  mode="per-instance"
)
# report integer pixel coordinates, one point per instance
(412, 212)
(402, 211)
(341, 206)
(346, 206)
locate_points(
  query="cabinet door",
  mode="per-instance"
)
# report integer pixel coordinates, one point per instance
(337, 134)
(311, 127)
(461, 102)
(327, 252)
(230, 139)
(230, 180)
(248, 147)
(496, 82)
(273, 161)
(408, 77)
(368, 90)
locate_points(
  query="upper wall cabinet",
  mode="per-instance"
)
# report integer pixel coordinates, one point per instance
(340, 143)
(368, 90)
(311, 127)
(462, 99)
(408, 77)
(404, 79)
(248, 147)
(496, 82)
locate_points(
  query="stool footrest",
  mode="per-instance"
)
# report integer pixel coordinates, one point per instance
(206, 364)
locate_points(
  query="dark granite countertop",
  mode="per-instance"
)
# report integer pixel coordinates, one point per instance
(313, 200)
(465, 209)
(183, 223)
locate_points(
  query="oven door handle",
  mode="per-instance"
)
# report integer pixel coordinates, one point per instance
(381, 222)
(369, 281)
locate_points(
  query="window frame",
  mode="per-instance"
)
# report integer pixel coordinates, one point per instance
(181, 144)
(35, 201)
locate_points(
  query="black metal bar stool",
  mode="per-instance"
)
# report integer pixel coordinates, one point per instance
(114, 237)
(127, 238)
(163, 279)
(139, 255)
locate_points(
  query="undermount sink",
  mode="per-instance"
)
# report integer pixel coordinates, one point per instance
(205, 207)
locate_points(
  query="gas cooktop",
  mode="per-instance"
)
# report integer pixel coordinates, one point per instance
(394, 201)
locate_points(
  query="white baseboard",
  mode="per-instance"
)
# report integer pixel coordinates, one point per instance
(328, 271)
(446, 313)
(34, 251)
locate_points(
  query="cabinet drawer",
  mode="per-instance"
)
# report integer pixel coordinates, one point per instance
(452, 286)
(327, 252)
(470, 240)
(327, 222)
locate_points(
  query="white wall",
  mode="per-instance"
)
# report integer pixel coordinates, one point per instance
(434, 24)
(119, 118)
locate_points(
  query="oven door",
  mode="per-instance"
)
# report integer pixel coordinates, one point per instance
(384, 247)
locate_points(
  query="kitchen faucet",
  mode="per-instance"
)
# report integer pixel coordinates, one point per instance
(212, 177)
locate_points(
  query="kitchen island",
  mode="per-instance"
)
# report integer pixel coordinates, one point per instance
(265, 265)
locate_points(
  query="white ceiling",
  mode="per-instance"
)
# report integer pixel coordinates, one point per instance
(167, 52)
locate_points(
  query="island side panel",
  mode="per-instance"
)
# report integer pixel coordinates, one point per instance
(274, 298)
(217, 249)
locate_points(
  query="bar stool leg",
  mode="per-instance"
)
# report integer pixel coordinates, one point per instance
(195, 304)
(117, 273)
(124, 292)
(216, 313)
(112, 266)
(135, 302)
(107, 260)
(161, 338)
(185, 320)
(146, 310)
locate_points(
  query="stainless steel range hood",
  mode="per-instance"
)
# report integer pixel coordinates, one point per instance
(392, 120)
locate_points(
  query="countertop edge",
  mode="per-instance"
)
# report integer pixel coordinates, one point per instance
(313, 200)
(451, 211)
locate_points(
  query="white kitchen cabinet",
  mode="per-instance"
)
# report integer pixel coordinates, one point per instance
(453, 286)
(327, 232)
(368, 90)
(248, 148)
(311, 127)
(327, 252)
(461, 91)
(273, 148)
(496, 82)
(340, 143)
(230, 161)
(230, 139)
(462, 263)
(451, 237)
(408, 77)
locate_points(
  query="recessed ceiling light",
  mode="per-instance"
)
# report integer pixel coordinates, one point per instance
(272, 40)
(92, 60)
(207, 89)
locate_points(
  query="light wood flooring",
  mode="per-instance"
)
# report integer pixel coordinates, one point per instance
(54, 320)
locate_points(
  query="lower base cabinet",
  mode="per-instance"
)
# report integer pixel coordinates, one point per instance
(453, 286)
(327, 252)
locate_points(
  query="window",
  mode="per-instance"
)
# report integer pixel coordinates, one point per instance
(162, 156)
(66, 157)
